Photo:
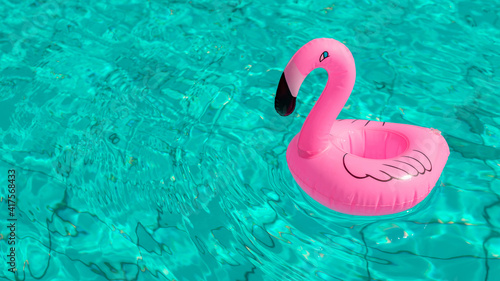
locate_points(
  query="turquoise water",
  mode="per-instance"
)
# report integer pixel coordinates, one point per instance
(146, 144)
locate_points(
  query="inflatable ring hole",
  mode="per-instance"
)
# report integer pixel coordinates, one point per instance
(373, 144)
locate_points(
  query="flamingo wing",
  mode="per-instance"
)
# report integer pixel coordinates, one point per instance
(404, 167)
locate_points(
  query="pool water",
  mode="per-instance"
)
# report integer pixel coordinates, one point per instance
(146, 144)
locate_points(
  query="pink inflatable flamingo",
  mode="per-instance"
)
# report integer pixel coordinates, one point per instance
(356, 167)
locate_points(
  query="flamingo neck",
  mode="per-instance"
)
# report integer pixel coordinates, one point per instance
(314, 136)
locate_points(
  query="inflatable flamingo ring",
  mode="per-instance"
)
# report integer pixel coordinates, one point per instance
(357, 167)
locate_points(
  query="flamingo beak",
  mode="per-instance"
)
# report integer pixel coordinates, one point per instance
(284, 102)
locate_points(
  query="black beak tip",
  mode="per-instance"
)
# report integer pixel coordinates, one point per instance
(285, 101)
(284, 109)
(283, 113)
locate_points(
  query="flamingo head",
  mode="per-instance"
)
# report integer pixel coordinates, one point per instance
(317, 53)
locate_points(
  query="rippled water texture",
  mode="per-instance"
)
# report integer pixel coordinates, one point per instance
(147, 146)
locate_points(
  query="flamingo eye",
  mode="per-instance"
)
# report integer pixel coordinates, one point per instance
(323, 56)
